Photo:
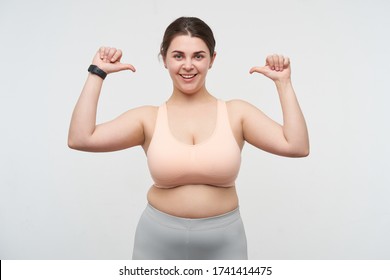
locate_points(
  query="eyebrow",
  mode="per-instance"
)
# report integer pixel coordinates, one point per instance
(198, 52)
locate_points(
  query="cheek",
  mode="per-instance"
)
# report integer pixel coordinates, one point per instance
(203, 68)
(172, 66)
(203, 65)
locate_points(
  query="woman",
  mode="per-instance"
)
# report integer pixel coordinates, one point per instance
(193, 144)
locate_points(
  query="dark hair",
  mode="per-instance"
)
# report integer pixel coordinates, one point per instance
(191, 26)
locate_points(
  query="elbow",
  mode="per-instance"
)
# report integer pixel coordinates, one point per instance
(305, 153)
(302, 152)
(79, 140)
(300, 149)
(72, 140)
(84, 144)
(299, 152)
(75, 144)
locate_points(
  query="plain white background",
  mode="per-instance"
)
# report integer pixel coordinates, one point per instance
(56, 203)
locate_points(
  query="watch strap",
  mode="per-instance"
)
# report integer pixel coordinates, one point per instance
(97, 71)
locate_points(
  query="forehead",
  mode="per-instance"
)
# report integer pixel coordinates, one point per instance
(186, 43)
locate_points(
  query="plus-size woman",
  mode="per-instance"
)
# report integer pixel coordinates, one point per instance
(193, 144)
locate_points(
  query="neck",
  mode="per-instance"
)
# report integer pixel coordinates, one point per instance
(202, 96)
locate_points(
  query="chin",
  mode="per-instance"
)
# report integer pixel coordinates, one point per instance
(189, 91)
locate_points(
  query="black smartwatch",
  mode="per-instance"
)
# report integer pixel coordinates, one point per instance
(97, 71)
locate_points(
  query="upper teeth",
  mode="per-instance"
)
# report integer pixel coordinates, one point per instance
(187, 76)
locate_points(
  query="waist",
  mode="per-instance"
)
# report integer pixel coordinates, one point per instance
(228, 185)
(194, 201)
(193, 223)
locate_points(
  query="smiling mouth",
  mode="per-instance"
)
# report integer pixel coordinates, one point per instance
(185, 76)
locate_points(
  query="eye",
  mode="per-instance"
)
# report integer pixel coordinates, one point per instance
(177, 56)
(199, 56)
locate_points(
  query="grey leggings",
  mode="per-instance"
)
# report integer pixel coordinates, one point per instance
(160, 236)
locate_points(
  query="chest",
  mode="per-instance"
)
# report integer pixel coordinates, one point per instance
(192, 126)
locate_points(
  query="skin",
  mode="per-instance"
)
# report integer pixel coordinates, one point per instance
(192, 118)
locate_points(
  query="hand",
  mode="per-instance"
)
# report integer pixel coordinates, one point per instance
(277, 68)
(108, 59)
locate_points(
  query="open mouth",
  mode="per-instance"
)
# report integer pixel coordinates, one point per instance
(188, 76)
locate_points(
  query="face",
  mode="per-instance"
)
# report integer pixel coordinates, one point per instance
(188, 61)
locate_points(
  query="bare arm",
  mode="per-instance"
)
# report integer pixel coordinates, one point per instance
(125, 131)
(290, 139)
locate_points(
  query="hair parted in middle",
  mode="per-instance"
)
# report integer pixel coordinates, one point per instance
(191, 26)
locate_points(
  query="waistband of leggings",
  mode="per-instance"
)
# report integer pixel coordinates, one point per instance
(168, 220)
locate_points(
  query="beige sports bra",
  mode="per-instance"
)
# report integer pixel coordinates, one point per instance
(215, 161)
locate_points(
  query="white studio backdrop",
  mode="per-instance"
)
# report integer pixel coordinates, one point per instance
(56, 203)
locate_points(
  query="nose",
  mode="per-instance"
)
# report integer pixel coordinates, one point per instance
(188, 66)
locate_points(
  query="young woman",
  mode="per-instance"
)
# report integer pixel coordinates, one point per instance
(193, 144)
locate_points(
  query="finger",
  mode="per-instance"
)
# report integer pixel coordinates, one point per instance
(258, 69)
(123, 66)
(131, 67)
(280, 62)
(117, 56)
(286, 62)
(101, 52)
(275, 59)
(270, 62)
(111, 53)
(106, 52)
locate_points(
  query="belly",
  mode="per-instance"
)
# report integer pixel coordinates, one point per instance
(194, 201)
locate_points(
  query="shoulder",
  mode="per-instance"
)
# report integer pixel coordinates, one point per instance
(239, 107)
(147, 115)
(143, 112)
(148, 109)
(244, 112)
(144, 115)
(237, 103)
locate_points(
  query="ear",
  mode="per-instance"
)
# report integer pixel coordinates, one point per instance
(165, 62)
(212, 59)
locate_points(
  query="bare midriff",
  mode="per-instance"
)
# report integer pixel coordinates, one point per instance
(193, 201)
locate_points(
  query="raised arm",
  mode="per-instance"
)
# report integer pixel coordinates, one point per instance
(123, 132)
(290, 139)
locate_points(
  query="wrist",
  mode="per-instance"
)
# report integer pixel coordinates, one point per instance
(93, 69)
(283, 82)
(283, 86)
